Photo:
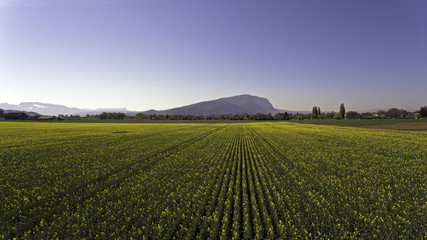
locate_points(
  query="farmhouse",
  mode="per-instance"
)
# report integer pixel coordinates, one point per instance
(16, 116)
(46, 117)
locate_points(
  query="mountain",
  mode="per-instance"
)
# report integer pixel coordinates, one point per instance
(42, 108)
(230, 105)
(55, 109)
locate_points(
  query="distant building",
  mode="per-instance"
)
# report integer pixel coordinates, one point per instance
(46, 118)
(16, 116)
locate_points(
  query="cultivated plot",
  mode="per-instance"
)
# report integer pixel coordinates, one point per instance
(211, 181)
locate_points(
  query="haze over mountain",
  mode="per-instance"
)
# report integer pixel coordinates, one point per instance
(229, 105)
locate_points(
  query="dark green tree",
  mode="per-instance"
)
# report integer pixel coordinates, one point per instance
(104, 116)
(342, 111)
(314, 113)
(423, 111)
(396, 113)
(352, 115)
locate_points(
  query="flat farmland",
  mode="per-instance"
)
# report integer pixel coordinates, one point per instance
(256, 180)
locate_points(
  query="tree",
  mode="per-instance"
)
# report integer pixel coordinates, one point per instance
(352, 115)
(282, 116)
(337, 116)
(120, 116)
(416, 115)
(342, 111)
(396, 113)
(319, 114)
(423, 111)
(112, 116)
(330, 115)
(314, 113)
(381, 113)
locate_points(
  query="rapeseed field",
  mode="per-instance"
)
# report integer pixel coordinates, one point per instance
(255, 180)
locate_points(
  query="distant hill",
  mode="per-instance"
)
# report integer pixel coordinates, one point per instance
(42, 108)
(229, 105)
(55, 109)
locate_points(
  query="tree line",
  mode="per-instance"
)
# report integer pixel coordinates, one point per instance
(315, 114)
(112, 116)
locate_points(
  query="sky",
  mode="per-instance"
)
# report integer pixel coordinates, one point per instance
(160, 54)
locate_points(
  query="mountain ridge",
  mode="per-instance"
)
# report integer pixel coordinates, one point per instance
(238, 104)
(39, 107)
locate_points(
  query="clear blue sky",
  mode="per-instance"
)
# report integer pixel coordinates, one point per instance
(143, 54)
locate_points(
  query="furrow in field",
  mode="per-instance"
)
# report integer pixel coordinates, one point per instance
(247, 216)
(266, 187)
(192, 192)
(266, 229)
(293, 191)
(237, 222)
(216, 177)
(210, 206)
(280, 215)
(227, 219)
(211, 157)
(214, 210)
(199, 222)
(258, 229)
(301, 186)
(214, 224)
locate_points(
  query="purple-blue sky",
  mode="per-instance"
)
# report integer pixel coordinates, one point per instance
(143, 54)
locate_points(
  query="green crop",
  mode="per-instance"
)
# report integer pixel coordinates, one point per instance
(210, 181)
